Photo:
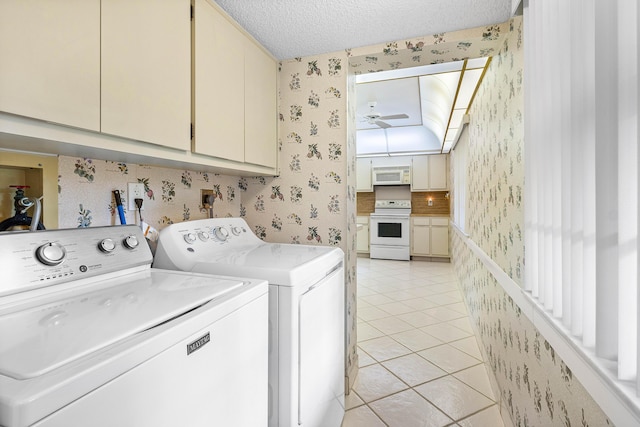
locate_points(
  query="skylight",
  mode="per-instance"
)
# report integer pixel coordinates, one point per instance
(417, 110)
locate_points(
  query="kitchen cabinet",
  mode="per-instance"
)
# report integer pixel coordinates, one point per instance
(430, 172)
(363, 174)
(112, 80)
(430, 236)
(50, 61)
(235, 91)
(146, 71)
(260, 106)
(120, 68)
(440, 237)
(420, 236)
(362, 235)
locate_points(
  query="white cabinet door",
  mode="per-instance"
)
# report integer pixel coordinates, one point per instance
(146, 71)
(235, 92)
(362, 234)
(260, 106)
(50, 60)
(439, 241)
(420, 238)
(430, 236)
(429, 172)
(218, 85)
(420, 173)
(363, 174)
(438, 172)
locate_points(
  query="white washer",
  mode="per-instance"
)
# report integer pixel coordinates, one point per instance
(306, 310)
(92, 335)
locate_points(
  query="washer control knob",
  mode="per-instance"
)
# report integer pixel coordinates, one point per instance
(190, 238)
(236, 230)
(131, 242)
(221, 234)
(51, 253)
(107, 245)
(204, 236)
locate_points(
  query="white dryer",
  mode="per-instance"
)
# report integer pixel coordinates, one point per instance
(306, 310)
(92, 335)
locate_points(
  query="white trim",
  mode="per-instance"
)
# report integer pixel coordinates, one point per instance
(616, 398)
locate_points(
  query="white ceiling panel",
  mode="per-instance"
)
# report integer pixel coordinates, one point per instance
(397, 96)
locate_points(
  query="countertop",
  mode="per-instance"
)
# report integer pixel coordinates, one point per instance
(413, 214)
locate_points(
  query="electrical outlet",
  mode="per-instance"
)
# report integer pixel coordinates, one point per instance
(135, 190)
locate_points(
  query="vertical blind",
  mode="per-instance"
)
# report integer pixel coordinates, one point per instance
(581, 171)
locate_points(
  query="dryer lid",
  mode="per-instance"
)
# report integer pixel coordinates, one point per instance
(40, 337)
(279, 263)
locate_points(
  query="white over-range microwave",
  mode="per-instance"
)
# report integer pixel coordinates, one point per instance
(391, 175)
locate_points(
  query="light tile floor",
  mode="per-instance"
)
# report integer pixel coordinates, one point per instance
(420, 364)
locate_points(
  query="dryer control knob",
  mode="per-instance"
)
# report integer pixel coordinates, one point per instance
(221, 233)
(236, 230)
(190, 238)
(203, 235)
(130, 242)
(107, 245)
(51, 254)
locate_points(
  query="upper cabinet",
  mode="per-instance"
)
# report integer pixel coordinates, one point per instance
(363, 174)
(50, 61)
(116, 67)
(235, 91)
(137, 81)
(146, 71)
(430, 173)
(260, 106)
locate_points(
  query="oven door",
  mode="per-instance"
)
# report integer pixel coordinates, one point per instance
(389, 230)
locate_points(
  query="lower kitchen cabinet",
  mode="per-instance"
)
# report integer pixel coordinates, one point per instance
(430, 236)
(420, 236)
(363, 234)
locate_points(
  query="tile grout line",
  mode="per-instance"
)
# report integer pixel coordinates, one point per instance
(443, 287)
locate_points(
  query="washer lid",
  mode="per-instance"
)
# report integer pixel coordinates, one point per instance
(279, 263)
(41, 337)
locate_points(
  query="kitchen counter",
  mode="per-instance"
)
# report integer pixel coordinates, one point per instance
(429, 215)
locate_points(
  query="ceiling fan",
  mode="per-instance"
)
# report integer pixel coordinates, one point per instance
(375, 118)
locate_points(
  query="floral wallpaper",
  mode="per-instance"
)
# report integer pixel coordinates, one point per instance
(313, 199)
(536, 387)
(171, 195)
(496, 174)
(433, 49)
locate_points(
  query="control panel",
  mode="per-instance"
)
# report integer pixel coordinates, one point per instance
(212, 231)
(47, 257)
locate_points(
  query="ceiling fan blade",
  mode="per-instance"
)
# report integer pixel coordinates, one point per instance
(383, 125)
(394, 116)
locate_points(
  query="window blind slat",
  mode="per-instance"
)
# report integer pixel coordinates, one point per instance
(628, 188)
(606, 133)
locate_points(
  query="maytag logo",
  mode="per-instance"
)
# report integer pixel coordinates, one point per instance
(199, 343)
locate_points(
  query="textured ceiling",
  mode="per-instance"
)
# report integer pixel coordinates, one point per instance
(294, 28)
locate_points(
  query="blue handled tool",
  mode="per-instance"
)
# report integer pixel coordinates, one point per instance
(116, 195)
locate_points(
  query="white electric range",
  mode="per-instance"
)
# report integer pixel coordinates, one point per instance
(92, 335)
(389, 230)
